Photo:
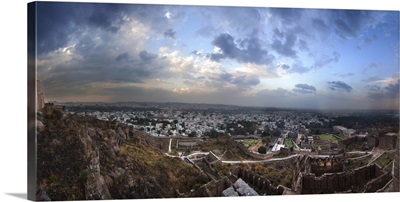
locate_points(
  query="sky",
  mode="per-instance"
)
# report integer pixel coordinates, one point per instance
(249, 56)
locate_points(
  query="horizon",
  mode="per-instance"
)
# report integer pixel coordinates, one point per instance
(242, 106)
(324, 59)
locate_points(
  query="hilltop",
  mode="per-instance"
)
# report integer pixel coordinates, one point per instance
(80, 158)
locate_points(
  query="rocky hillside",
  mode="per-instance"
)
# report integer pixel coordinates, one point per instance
(82, 158)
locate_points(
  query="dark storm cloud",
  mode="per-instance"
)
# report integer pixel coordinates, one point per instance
(286, 48)
(348, 23)
(58, 20)
(339, 85)
(247, 50)
(390, 91)
(122, 56)
(170, 33)
(146, 56)
(304, 88)
(287, 15)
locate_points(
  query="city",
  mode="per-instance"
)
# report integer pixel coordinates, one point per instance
(265, 137)
(136, 101)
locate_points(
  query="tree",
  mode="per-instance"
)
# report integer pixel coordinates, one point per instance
(193, 134)
(266, 133)
(262, 150)
(266, 140)
(276, 133)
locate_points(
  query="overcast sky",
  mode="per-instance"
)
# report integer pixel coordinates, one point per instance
(297, 58)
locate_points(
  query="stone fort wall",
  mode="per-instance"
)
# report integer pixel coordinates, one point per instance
(261, 184)
(339, 182)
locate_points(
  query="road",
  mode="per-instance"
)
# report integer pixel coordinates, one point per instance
(169, 147)
(261, 161)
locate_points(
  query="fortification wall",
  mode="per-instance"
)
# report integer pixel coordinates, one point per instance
(339, 182)
(261, 184)
(377, 183)
(396, 168)
(251, 154)
(353, 139)
(212, 189)
(388, 141)
(320, 166)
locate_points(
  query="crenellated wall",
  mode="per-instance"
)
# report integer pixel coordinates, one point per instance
(320, 166)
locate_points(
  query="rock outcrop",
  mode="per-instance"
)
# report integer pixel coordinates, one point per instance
(82, 158)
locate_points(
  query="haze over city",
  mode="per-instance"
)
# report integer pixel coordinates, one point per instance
(272, 57)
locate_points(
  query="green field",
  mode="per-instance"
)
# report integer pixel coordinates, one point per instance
(385, 159)
(247, 142)
(329, 137)
(288, 143)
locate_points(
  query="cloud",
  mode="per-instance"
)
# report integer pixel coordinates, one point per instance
(344, 75)
(197, 53)
(183, 90)
(324, 60)
(287, 15)
(285, 66)
(275, 93)
(249, 50)
(73, 17)
(303, 45)
(242, 20)
(320, 25)
(370, 66)
(239, 80)
(366, 41)
(298, 67)
(286, 48)
(389, 91)
(170, 33)
(278, 33)
(339, 85)
(348, 23)
(146, 56)
(373, 79)
(304, 88)
(122, 56)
